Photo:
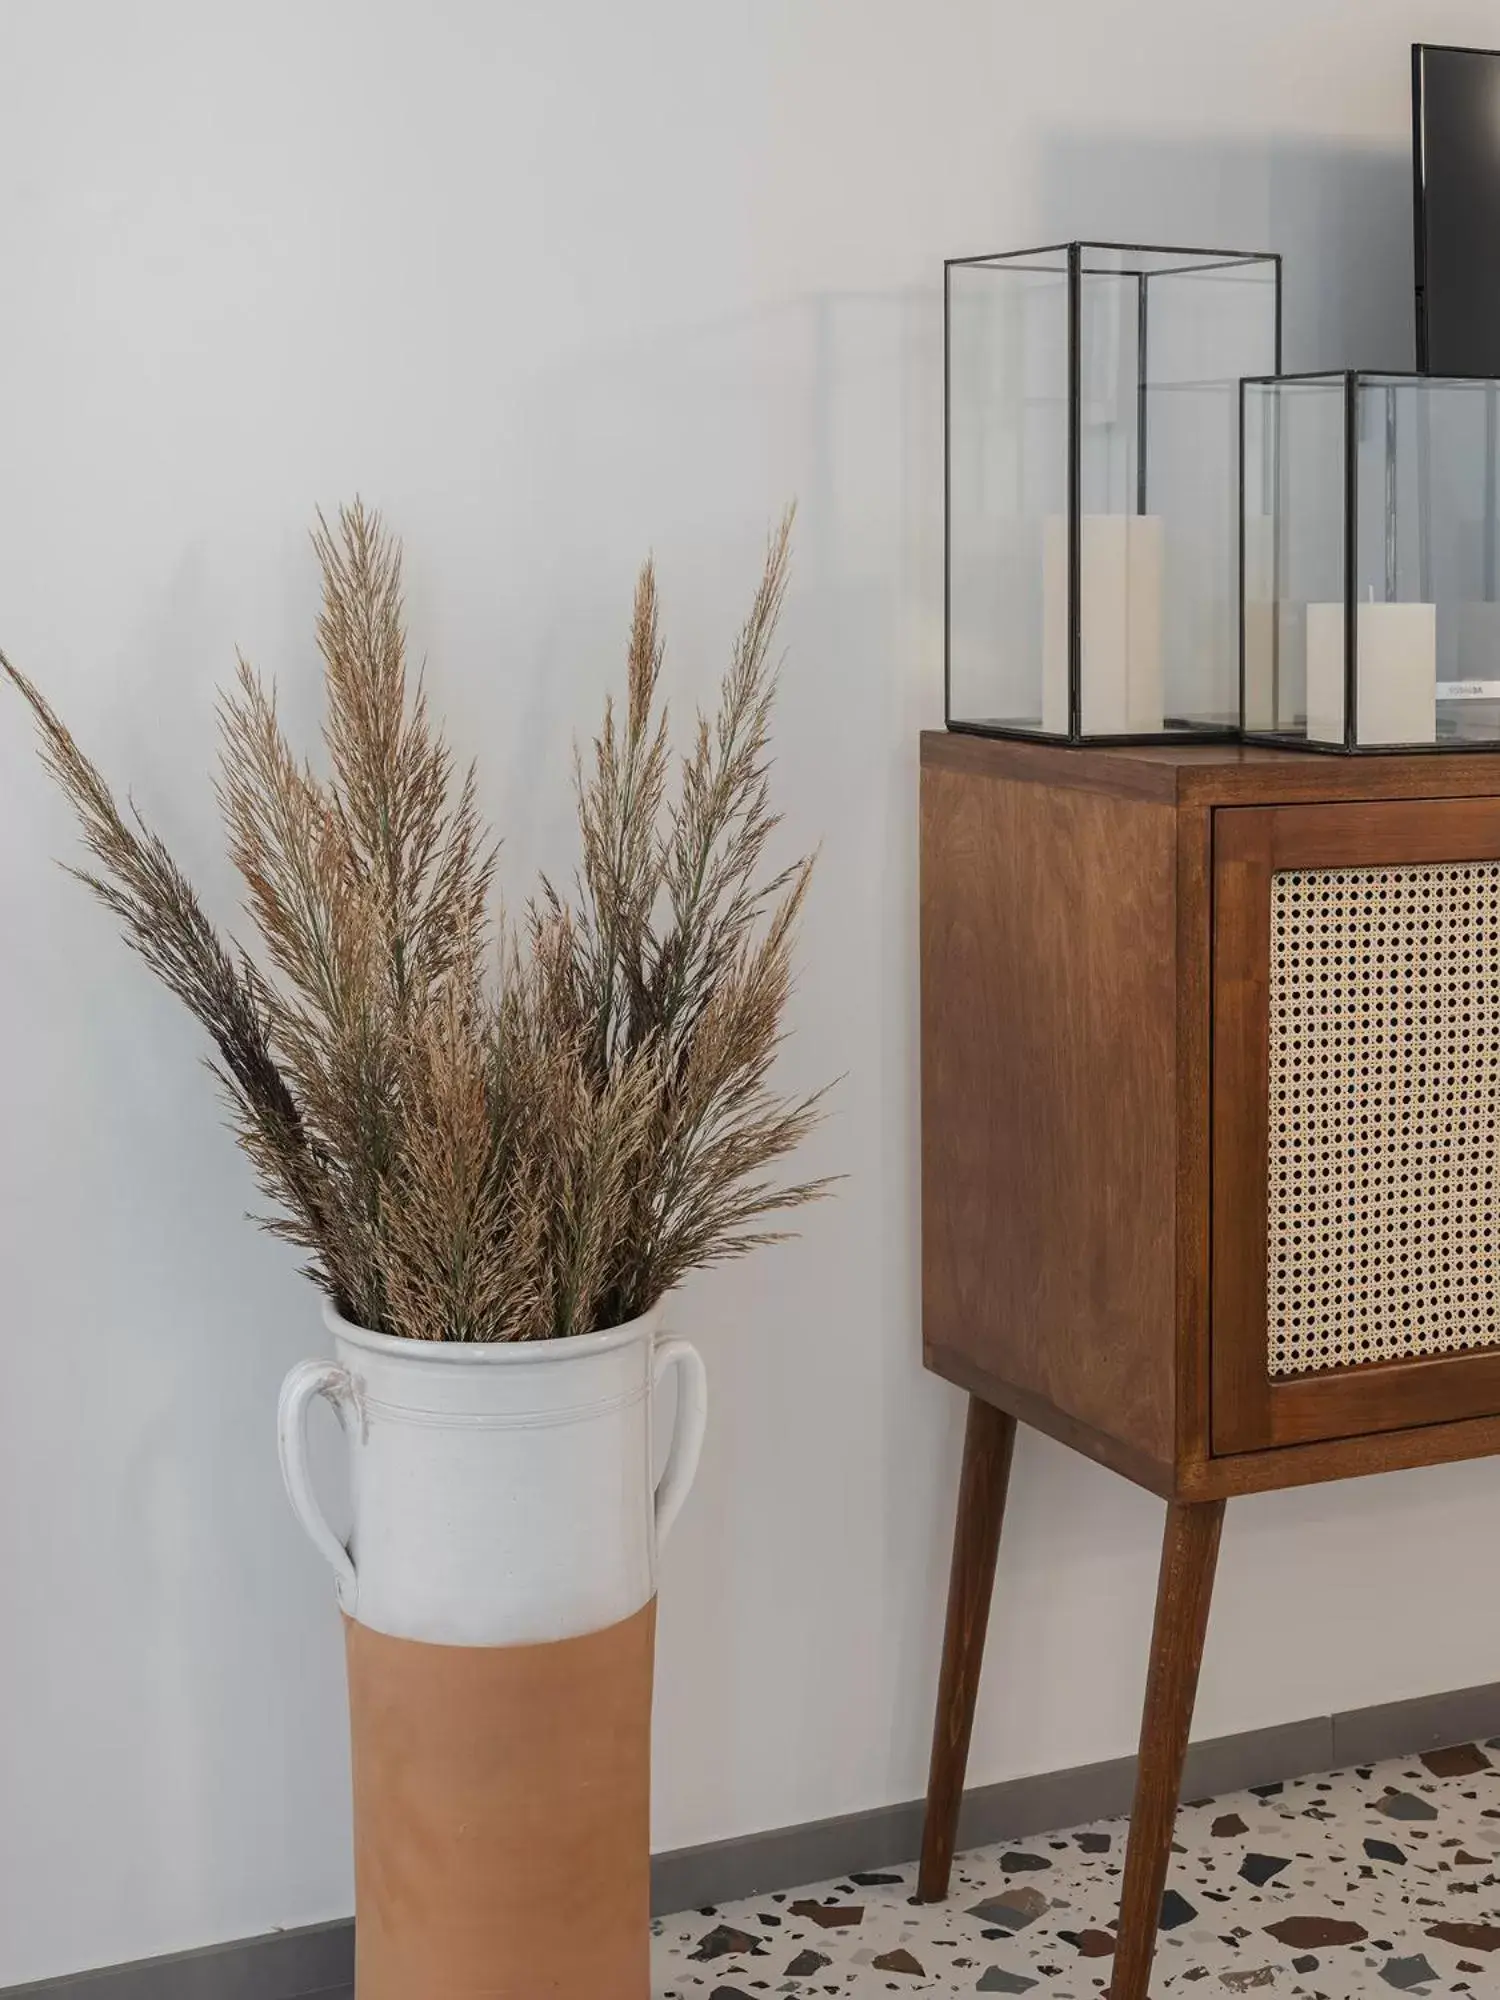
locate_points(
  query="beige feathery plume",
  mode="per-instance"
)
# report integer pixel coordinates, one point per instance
(480, 1140)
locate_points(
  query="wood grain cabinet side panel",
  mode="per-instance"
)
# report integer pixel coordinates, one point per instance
(1049, 1098)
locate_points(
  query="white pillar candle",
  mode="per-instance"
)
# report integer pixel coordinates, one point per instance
(1396, 664)
(1258, 609)
(1120, 624)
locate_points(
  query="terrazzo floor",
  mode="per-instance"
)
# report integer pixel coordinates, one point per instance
(1370, 1881)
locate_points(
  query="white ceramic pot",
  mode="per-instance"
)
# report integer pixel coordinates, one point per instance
(499, 1593)
(502, 1491)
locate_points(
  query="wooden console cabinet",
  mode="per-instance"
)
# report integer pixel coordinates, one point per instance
(1210, 1118)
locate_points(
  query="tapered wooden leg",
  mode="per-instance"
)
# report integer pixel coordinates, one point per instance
(989, 1440)
(1189, 1552)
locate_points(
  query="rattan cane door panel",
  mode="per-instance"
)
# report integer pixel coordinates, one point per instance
(1356, 1111)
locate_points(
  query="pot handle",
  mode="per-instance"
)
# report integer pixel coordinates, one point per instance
(306, 1380)
(687, 1433)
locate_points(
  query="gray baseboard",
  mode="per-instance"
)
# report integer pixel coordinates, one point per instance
(318, 1963)
(303, 1964)
(757, 1863)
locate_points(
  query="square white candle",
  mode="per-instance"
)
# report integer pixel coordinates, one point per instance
(1258, 609)
(1120, 624)
(1396, 662)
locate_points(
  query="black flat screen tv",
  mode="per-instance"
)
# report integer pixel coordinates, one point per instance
(1456, 167)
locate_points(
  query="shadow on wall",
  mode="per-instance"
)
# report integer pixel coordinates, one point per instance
(692, 440)
(1339, 214)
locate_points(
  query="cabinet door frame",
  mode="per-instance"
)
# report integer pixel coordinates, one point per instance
(1251, 1410)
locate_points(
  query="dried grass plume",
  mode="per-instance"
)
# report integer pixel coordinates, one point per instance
(478, 1132)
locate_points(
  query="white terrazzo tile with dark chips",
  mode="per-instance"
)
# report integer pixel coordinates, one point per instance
(1373, 1881)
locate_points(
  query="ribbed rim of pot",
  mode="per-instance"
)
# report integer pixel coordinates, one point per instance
(571, 1347)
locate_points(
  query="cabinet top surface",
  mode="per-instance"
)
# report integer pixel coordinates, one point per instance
(1210, 774)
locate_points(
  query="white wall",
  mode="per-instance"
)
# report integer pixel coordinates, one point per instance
(552, 283)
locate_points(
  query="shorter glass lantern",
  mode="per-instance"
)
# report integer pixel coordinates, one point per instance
(1092, 433)
(1370, 561)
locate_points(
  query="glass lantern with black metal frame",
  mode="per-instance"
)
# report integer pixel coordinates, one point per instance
(1370, 560)
(1091, 422)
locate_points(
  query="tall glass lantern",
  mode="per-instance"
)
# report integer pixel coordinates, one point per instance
(1372, 562)
(1092, 417)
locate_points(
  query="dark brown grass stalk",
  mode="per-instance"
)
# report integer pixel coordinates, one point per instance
(477, 1144)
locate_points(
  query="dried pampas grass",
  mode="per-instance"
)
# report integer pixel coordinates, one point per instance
(480, 1136)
